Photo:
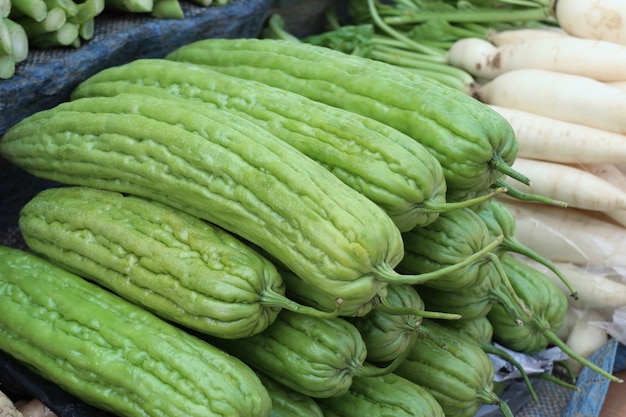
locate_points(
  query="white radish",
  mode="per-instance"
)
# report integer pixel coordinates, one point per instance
(585, 338)
(477, 56)
(603, 61)
(567, 97)
(569, 234)
(545, 138)
(612, 174)
(618, 84)
(593, 19)
(596, 290)
(574, 186)
(501, 37)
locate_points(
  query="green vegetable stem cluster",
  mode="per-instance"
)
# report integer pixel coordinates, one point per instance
(262, 227)
(416, 34)
(40, 24)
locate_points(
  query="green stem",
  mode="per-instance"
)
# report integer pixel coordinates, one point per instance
(19, 40)
(7, 67)
(269, 298)
(522, 196)
(555, 340)
(500, 165)
(512, 244)
(432, 207)
(497, 264)
(387, 274)
(383, 306)
(167, 9)
(489, 348)
(410, 43)
(474, 15)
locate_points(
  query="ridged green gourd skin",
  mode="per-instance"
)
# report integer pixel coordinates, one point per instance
(454, 236)
(388, 335)
(181, 268)
(545, 301)
(113, 354)
(314, 356)
(385, 165)
(475, 302)
(452, 367)
(287, 402)
(223, 170)
(385, 396)
(465, 136)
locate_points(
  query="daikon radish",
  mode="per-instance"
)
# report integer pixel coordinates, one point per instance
(549, 139)
(608, 172)
(569, 234)
(603, 61)
(567, 97)
(596, 19)
(612, 174)
(618, 84)
(585, 338)
(501, 37)
(574, 186)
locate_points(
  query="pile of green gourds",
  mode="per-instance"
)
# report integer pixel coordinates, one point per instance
(254, 227)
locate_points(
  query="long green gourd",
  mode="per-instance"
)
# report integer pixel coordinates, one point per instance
(500, 221)
(387, 395)
(481, 331)
(315, 356)
(474, 144)
(304, 292)
(453, 368)
(388, 335)
(223, 170)
(113, 354)
(287, 402)
(387, 166)
(181, 268)
(548, 306)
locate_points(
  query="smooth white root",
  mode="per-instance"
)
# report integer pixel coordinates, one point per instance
(621, 85)
(601, 291)
(569, 234)
(585, 338)
(604, 19)
(477, 56)
(614, 175)
(545, 138)
(574, 186)
(603, 61)
(567, 97)
(502, 37)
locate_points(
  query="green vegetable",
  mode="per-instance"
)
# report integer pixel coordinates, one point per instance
(223, 170)
(481, 331)
(179, 267)
(304, 292)
(453, 368)
(388, 167)
(314, 356)
(548, 306)
(113, 354)
(454, 236)
(501, 221)
(474, 144)
(287, 402)
(387, 395)
(476, 301)
(391, 327)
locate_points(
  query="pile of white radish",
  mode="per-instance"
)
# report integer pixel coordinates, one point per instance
(563, 90)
